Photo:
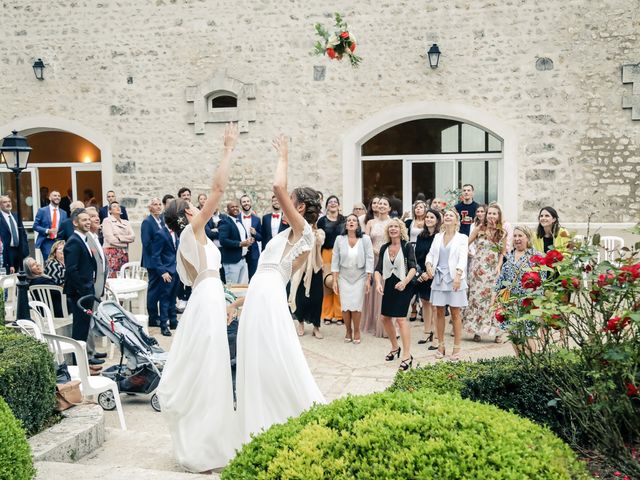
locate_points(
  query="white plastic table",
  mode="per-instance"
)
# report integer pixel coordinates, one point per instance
(127, 289)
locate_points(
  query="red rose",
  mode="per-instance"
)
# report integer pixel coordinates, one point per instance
(331, 53)
(616, 324)
(632, 272)
(595, 295)
(500, 317)
(537, 260)
(527, 302)
(352, 47)
(605, 279)
(531, 280)
(632, 390)
(344, 35)
(552, 257)
(590, 399)
(575, 283)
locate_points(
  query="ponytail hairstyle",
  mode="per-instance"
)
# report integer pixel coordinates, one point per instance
(175, 215)
(311, 200)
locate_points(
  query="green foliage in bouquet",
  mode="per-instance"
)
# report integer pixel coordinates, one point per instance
(337, 43)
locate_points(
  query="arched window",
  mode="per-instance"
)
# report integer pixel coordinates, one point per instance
(220, 100)
(430, 156)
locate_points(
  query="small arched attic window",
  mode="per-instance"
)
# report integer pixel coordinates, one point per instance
(222, 100)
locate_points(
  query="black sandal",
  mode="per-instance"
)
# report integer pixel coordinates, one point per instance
(404, 366)
(392, 354)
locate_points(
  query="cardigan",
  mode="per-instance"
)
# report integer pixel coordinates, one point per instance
(458, 255)
(559, 241)
(407, 252)
(341, 253)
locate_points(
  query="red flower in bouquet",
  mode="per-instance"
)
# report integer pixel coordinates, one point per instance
(344, 35)
(616, 324)
(500, 316)
(338, 42)
(352, 47)
(331, 53)
(632, 390)
(537, 260)
(552, 257)
(527, 302)
(531, 280)
(572, 283)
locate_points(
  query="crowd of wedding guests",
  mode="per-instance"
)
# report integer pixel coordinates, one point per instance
(374, 269)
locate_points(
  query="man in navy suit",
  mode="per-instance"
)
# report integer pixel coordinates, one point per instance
(234, 245)
(80, 272)
(15, 247)
(272, 223)
(104, 210)
(150, 226)
(66, 226)
(47, 223)
(253, 227)
(164, 249)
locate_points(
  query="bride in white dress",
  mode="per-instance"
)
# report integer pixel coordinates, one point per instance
(273, 380)
(195, 392)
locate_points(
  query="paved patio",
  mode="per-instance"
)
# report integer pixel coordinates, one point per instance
(144, 450)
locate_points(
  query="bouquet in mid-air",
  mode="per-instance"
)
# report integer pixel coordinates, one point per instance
(338, 43)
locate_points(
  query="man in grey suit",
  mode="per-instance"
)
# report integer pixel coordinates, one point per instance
(101, 272)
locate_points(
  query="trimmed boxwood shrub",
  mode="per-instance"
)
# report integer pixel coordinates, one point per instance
(442, 377)
(15, 454)
(27, 379)
(399, 435)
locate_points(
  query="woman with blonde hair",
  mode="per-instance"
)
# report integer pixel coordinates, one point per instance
(489, 242)
(394, 272)
(447, 264)
(54, 266)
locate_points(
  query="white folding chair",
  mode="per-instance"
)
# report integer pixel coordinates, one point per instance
(9, 286)
(611, 246)
(90, 385)
(46, 295)
(133, 270)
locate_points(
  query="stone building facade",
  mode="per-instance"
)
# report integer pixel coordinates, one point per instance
(136, 79)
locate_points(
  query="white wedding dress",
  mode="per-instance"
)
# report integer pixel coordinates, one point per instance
(195, 392)
(273, 380)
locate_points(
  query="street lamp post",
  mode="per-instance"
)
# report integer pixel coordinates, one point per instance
(15, 154)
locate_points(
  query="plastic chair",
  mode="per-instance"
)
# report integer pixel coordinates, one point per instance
(44, 294)
(611, 246)
(133, 270)
(31, 328)
(9, 286)
(90, 385)
(42, 315)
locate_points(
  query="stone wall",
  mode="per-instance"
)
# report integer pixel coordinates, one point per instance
(551, 70)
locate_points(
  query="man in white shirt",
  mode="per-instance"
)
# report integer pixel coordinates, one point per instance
(253, 226)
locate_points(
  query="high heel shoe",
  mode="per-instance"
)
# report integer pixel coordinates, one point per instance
(404, 366)
(455, 356)
(426, 340)
(393, 354)
(440, 353)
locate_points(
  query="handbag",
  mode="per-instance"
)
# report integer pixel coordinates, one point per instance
(67, 395)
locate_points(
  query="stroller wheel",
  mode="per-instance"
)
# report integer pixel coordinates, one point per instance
(106, 400)
(155, 403)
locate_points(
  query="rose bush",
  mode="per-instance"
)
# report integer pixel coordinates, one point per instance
(590, 308)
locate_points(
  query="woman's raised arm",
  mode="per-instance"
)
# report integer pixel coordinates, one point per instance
(292, 215)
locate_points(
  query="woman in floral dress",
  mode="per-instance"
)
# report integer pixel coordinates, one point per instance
(488, 241)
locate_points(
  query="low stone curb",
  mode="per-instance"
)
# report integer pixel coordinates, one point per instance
(80, 432)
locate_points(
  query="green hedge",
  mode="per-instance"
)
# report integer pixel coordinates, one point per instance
(398, 435)
(27, 379)
(15, 454)
(503, 382)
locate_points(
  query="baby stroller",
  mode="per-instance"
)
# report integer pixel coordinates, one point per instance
(141, 372)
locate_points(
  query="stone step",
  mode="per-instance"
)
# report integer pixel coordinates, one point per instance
(77, 471)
